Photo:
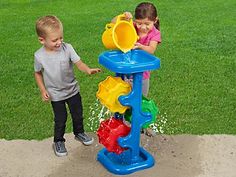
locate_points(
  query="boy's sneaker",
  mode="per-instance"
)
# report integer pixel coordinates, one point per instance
(84, 138)
(59, 148)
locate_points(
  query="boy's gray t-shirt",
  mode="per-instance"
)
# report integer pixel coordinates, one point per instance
(57, 70)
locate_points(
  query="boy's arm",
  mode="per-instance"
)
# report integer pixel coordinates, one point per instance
(39, 80)
(83, 67)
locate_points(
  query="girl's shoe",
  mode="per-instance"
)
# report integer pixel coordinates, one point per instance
(149, 132)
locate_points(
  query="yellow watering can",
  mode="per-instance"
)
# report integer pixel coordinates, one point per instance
(120, 35)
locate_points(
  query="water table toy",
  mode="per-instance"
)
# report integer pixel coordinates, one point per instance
(133, 157)
(122, 153)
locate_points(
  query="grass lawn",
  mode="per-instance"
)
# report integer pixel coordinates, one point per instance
(195, 87)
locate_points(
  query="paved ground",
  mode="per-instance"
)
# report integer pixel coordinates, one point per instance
(176, 156)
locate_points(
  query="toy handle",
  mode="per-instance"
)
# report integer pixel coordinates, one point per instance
(121, 17)
(109, 26)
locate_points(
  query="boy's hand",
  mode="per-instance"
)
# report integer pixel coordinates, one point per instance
(94, 70)
(45, 96)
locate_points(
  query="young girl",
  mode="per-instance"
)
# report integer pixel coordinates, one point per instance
(147, 26)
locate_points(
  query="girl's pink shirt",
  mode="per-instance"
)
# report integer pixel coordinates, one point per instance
(153, 35)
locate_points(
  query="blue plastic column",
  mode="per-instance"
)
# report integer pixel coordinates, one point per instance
(134, 100)
(135, 157)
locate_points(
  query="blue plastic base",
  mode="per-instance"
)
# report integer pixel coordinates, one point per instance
(121, 164)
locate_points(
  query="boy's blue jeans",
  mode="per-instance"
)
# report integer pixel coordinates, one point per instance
(60, 116)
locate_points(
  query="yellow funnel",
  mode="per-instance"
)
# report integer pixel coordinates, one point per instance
(121, 35)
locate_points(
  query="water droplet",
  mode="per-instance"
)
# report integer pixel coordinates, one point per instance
(97, 114)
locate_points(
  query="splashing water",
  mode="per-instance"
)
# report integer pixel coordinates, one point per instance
(159, 125)
(128, 58)
(97, 113)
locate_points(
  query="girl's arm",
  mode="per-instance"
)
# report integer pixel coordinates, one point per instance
(39, 80)
(84, 68)
(151, 48)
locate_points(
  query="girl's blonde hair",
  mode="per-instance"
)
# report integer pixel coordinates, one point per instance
(46, 24)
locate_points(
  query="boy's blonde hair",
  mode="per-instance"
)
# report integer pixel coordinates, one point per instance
(46, 24)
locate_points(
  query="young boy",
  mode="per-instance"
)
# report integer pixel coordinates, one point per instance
(53, 65)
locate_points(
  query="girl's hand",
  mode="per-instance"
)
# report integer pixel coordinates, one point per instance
(45, 96)
(137, 46)
(128, 16)
(94, 70)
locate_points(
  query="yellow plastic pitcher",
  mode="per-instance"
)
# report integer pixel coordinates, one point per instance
(121, 35)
